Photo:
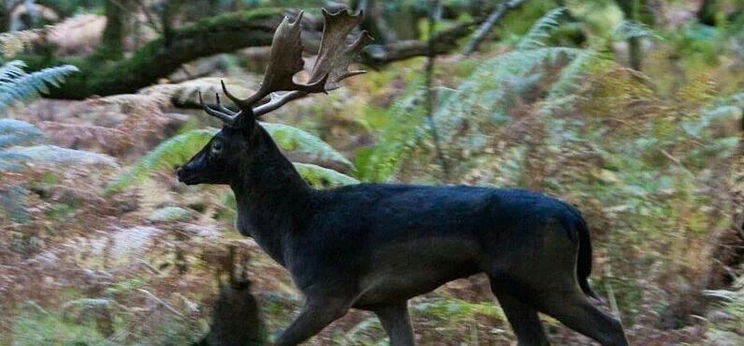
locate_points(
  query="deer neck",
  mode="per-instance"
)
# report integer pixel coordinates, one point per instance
(272, 198)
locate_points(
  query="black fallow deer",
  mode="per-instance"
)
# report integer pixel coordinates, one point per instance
(374, 246)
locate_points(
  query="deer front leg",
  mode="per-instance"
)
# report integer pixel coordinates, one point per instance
(316, 314)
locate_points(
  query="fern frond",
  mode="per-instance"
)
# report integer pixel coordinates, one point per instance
(12, 162)
(16, 85)
(169, 214)
(485, 94)
(169, 153)
(293, 139)
(403, 130)
(569, 75)
(322, 177)
(629, 29)
(541, 30)
(11, 70)
(181, 148)
(50, 154)
(16, 132)
(723, 113)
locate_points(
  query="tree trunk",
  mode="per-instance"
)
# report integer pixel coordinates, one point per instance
(374, 20)
(707, 12)
(632, 10)
(4, 17)
(118, 14)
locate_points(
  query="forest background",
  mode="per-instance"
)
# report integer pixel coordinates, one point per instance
(630, 109)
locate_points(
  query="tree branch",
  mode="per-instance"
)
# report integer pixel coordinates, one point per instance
(486, 27)
(155, 60)
(444, 42)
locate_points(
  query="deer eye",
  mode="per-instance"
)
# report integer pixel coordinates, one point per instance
(216, 147)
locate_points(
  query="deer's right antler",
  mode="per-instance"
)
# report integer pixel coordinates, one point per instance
(285, 61)
(334, 57)
(331, 66)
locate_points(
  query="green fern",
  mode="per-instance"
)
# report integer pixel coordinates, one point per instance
(173, 151)
(319, 176)
(169, 214)
(404, 127)
(181, 148)
(483, 96)
(629, 29)
(570, 75)
(534, 38)
(50, 154)
(16, 85)
(293, 139)
(16, 132)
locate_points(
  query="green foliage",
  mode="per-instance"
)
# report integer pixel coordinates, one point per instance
(16, 132)
(293, 139)
(541, 30)
(169, 214)
(402, 129)
(179, 149)
(16, 85)
(51, 154)
(731, 301)
(629, 29)
(319, 176)
(482, 98)
(458, 310)
(48, 329)
(569, 76)
(174, 151)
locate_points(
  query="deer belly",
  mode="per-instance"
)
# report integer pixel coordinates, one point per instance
(404, 270)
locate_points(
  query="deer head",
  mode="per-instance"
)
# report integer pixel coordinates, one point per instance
(220, 160)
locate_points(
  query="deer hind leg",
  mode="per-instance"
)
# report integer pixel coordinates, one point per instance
(397, 324)
(316, 314)
(548, 283)
(522, 317)
(575, 311)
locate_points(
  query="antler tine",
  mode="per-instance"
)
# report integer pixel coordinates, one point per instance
(334, 57)
(222, 108)
(233, 98)
(224, 114)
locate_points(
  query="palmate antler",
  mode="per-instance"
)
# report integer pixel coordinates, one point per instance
(331, 66)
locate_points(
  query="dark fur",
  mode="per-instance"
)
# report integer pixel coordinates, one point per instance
(374, 246)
